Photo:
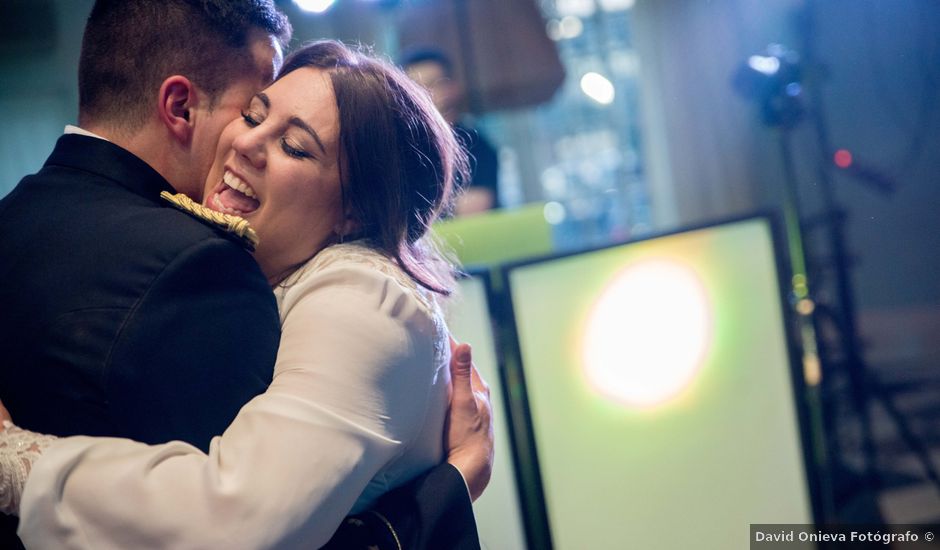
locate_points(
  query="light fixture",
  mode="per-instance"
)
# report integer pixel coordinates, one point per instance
(578, 8)
(764, 64)
(314, 6)
(616, 5)
(772, 79)
(597, 87)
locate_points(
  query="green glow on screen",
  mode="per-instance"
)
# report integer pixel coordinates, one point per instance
(630, 457)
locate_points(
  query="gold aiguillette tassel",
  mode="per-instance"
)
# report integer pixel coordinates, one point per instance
(233, 224)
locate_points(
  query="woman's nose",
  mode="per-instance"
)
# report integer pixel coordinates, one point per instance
(250, 145)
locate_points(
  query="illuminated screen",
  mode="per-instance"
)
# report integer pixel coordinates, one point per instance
(496, 236)
(660, 391)
(498, 516)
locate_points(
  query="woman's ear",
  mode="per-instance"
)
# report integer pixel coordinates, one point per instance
(178, 97)
(347, 227)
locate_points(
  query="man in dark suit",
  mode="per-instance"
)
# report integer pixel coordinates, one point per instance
(122, 316)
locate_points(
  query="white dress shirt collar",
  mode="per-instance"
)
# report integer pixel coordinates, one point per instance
(70, 129)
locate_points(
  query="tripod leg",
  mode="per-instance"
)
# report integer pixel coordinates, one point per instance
(904, 429)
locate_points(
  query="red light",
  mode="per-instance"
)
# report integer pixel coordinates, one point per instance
(842, 158)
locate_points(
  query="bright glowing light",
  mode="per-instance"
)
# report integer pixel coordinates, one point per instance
(315, 6)
(579, 8)
(598, 88)
(842, 158)
(763, 64)
(647, 335)
(554, 212)
(616, 5)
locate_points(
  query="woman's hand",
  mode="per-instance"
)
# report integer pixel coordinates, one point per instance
(4, 416)
(469, 429)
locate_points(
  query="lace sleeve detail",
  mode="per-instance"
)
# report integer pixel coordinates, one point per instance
(19, 449)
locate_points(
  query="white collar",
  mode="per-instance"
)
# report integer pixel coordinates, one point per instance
(70, 129)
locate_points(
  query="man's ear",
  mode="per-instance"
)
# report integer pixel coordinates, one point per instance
(178, 97)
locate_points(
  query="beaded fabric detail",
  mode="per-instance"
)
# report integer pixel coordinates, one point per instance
(19, 449)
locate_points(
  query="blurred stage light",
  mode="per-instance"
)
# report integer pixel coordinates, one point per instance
(567, 27)
(648, 333)
(842, 158)
(554, 212)
(314, 6)
(764, 64)
(773, 80)
(616, 5)
(598, 88)
(579, 8)
(571, 27)
(793, 89)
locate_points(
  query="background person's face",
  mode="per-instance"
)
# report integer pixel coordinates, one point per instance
(445, 93)
(278, 167)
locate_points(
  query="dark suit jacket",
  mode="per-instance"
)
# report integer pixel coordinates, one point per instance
(122, 316)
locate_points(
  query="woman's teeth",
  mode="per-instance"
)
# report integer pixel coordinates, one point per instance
(237, 184)
(235, 197)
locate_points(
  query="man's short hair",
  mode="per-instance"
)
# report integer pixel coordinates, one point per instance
(131, 46)
(425, 54)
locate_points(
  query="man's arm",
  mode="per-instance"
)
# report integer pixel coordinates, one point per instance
(292, 463)
(198, 346)
(434, 510)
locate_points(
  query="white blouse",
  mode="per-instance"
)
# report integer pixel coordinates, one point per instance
(356, 407)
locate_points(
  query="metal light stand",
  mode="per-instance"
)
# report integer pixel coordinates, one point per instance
(864, 384)
(774, 81)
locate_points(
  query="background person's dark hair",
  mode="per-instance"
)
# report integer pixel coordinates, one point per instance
(423, 54)
(131, 46)
(398, 157)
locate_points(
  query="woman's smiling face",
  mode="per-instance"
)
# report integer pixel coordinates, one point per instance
(277, 166)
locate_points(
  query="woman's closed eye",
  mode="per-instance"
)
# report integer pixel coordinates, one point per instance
(252, 119)
(293, 150)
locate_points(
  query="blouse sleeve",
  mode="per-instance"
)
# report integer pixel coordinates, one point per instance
(349, 392)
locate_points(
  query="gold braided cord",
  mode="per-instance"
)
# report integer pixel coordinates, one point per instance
(233, 224)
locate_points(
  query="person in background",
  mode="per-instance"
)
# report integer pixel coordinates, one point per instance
(433, 69)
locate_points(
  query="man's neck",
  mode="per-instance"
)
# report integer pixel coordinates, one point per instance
(149, 145)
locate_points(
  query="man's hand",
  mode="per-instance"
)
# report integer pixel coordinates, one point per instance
(469, 429)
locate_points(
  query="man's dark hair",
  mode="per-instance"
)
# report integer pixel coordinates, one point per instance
(131, 46)
(424, 54)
